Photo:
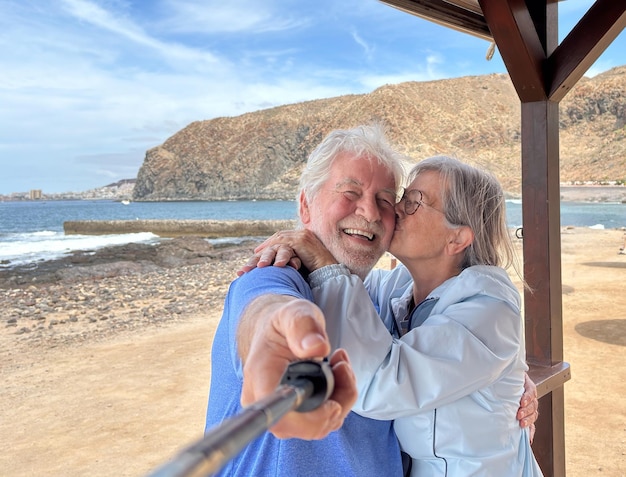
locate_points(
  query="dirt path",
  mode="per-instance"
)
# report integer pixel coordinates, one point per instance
(594, 334)
(118, 408)
(123, 406)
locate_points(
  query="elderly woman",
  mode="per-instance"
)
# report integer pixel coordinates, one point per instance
(441, 351)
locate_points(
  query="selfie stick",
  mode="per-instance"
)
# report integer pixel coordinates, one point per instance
(304, 387)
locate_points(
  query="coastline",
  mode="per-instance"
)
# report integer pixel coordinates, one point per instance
(211, 229)
(568, 192)
(593, 193)
(112, 376)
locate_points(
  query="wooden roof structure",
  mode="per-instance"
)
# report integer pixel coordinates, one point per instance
(542, 71)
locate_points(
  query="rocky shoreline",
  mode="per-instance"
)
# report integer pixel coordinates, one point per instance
(211, 229)
(593, 193)
(93, 295)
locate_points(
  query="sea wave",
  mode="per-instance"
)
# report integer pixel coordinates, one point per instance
(24, 248)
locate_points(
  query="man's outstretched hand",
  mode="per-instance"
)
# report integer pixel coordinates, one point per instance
(286, 329)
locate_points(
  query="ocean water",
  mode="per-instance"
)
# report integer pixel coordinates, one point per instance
(598, 215)
(33, 231)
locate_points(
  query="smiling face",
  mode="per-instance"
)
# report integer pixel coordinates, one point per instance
(353, 213)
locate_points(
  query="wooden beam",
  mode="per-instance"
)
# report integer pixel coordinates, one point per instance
(519, 44)
(446, 14)
(602, 23)
(549, 447)
(549, 378)
(542, 270)
(542, 235)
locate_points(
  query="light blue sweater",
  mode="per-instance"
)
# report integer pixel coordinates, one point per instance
(363, 447)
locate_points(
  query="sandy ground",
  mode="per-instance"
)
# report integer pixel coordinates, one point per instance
(123, 405)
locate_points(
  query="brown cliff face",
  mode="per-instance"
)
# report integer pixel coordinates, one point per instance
(260, 155)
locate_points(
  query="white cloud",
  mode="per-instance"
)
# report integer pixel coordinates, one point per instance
(367, 49)
(214, 17)
(87, 86)
(90, 12)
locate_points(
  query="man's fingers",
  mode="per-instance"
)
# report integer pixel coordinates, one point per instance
(314, 425)
(332, 413)
(297, 331)
(345, 392)
(304, 330)
(340, 355)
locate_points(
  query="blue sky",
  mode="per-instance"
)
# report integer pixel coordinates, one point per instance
(87, 86)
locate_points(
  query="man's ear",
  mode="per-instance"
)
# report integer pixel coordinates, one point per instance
(305, 212)
(460, 238)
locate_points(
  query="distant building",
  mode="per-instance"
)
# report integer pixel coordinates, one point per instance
(34, 194)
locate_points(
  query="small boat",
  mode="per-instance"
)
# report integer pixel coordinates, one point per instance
(126, 202)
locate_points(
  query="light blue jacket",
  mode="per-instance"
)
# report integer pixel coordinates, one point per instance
(453, 384)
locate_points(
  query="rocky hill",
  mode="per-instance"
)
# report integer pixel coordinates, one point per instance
(260, 154)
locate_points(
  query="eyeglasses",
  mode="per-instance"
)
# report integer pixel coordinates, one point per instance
(413, 200)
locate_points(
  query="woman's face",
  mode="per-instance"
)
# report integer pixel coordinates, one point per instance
(424, 232)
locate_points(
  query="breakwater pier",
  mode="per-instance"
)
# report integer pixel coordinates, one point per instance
(211, 229)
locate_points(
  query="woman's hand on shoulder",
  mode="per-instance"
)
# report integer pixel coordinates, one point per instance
(279, 255)
(290, 247)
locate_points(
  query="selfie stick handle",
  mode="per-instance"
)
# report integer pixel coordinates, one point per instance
(304, 387)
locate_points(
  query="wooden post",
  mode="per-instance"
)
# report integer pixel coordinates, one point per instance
(542, 270)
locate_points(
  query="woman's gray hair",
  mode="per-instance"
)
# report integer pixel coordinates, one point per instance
(367, 141)
(474, 198)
